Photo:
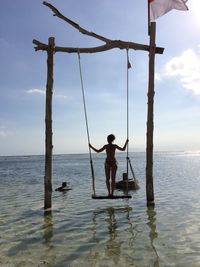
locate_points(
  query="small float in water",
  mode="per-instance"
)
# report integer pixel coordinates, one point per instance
(123, 185)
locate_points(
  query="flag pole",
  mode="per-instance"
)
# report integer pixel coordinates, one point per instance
(150, 118)
(149, 25)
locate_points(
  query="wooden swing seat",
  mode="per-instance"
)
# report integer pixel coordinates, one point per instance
(111, 197)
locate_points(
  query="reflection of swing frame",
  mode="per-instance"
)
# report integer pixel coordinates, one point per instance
(51, 49)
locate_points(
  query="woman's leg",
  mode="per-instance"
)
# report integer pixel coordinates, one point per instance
(113, 176)
(107, 172)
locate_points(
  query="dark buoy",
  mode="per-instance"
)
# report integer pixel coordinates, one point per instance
(122, 185)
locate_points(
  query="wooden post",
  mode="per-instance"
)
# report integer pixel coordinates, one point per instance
(150, 123)
(48, 126)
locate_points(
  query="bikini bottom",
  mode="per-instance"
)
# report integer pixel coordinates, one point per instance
(110, 163)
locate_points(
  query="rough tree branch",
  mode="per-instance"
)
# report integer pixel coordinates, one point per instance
(109, 44)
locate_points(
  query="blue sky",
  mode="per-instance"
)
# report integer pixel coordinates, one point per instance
(23, 77)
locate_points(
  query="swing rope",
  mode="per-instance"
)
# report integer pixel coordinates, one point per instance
(128, 161)
(127, 114)
(86, 122)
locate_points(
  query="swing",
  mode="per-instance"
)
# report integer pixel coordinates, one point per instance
(111, 197)
(94, 196)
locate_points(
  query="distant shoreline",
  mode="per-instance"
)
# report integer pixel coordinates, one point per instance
(85, 153)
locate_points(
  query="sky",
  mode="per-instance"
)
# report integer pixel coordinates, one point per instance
(24, 73)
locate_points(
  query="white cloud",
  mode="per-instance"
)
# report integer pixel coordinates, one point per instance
(36, 91)
(4, 132)
(199, 48)
(61, 96)
(157, 76)
(186, 68)
(42, 92)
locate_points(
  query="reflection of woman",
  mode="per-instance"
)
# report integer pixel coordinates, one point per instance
(110, 163)
(113, 238)
(113, 247)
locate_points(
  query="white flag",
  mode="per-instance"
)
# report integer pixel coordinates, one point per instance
(158, 8)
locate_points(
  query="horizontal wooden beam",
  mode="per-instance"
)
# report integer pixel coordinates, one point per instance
(108, 46)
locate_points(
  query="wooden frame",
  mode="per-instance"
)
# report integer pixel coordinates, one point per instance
(51, 49)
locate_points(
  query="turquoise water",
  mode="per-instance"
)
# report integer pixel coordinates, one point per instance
(84, 232)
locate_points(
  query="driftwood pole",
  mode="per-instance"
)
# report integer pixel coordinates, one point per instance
(48, 125)
(150, 115)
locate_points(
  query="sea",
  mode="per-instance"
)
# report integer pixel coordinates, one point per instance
(86, 232)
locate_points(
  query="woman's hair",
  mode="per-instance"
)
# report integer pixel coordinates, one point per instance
(110, 138)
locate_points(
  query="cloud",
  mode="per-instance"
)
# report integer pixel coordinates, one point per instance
(4, 133)
(157, 77)
(43, 92)
(61, 96)
(186, 68)
(36, 91)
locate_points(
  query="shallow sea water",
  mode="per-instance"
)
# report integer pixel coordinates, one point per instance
(83, 232)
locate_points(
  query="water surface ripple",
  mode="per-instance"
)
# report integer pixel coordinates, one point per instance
(83, 232)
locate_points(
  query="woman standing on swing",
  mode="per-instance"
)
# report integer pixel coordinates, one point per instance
(110, 162)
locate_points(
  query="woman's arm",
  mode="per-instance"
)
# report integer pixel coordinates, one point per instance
(97, 150)
(124, 147)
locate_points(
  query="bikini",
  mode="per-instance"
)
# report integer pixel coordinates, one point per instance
(110, 160)
(111, 163)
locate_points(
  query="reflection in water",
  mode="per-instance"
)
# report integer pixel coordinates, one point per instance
(117, 239)
(47, 236)
(113, 244)
(151, 213)
(48, 228)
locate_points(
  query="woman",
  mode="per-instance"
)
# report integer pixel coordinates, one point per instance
(110, 162)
